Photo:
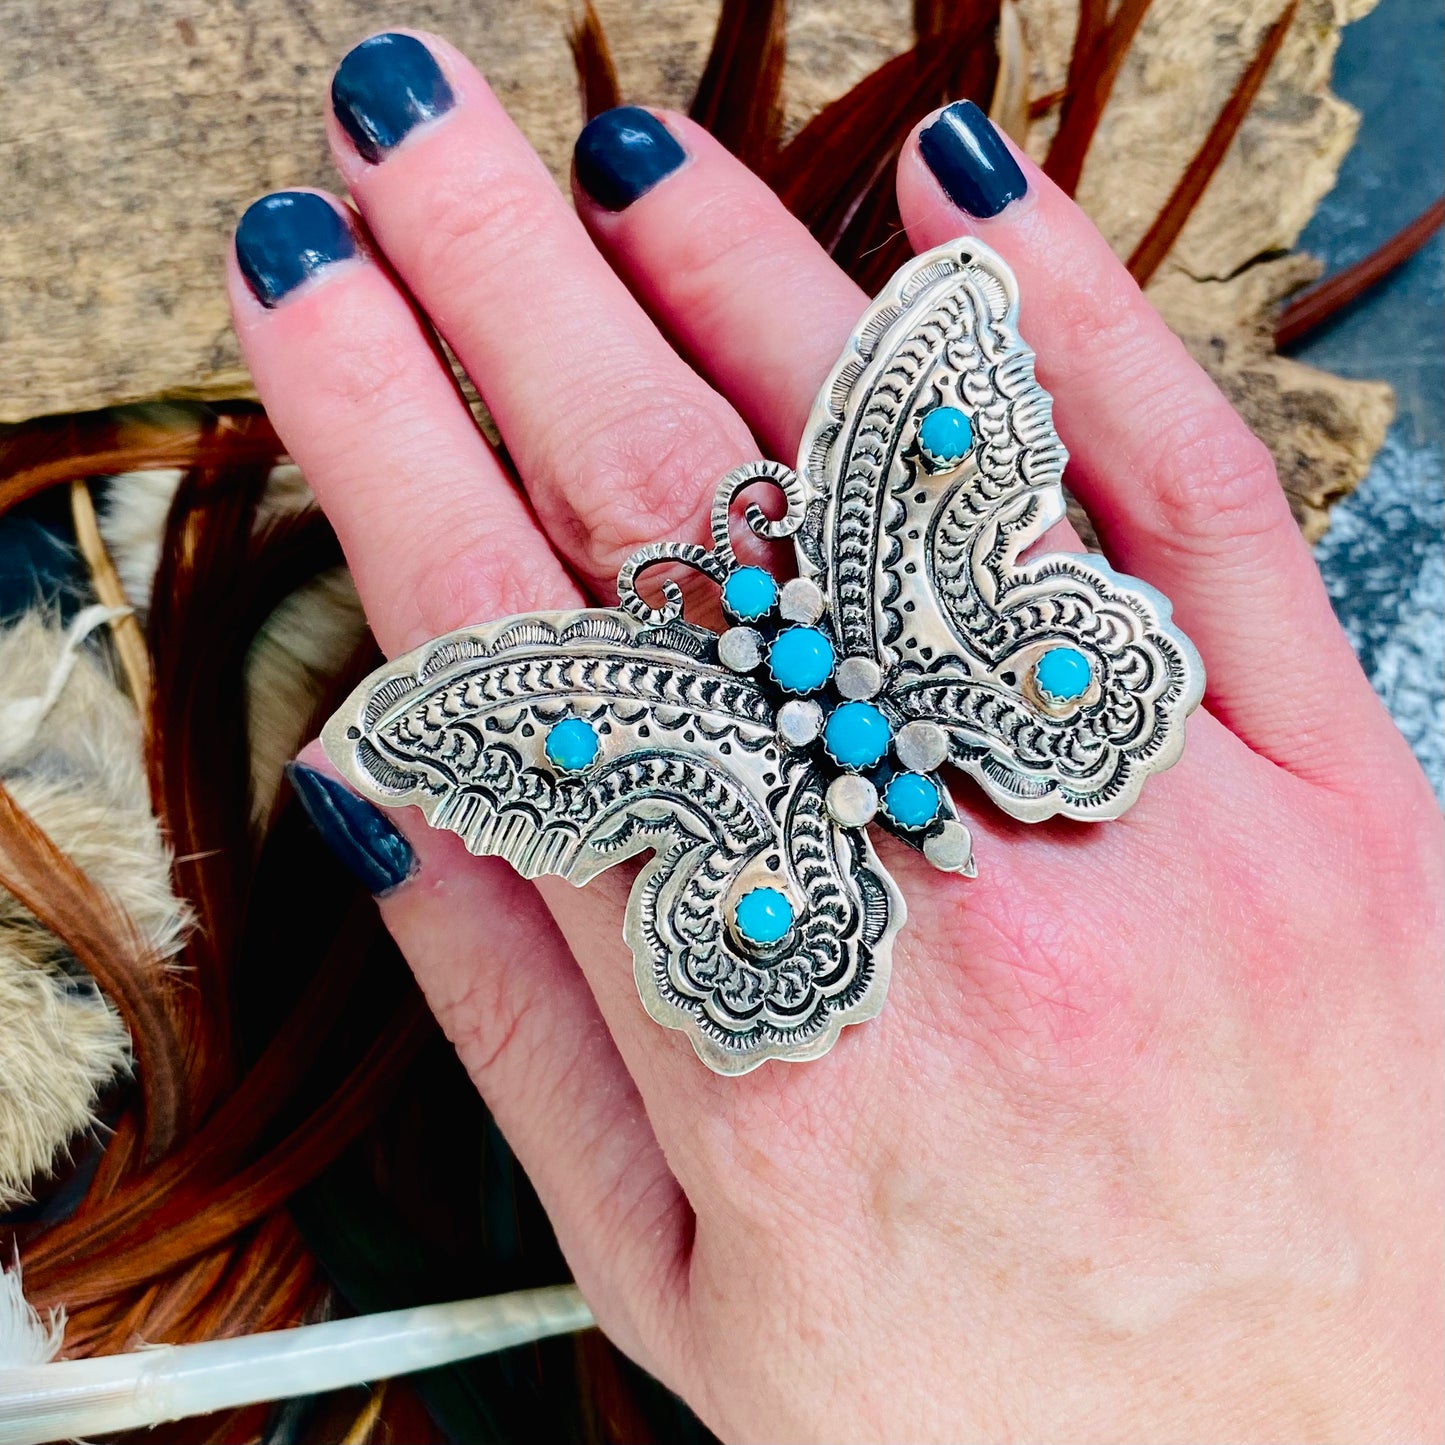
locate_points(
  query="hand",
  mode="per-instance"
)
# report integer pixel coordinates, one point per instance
(1145, 1145)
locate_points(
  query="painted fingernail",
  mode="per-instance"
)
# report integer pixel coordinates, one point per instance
(384, 89)
(360, 834)
(287, 237)
(971, 162)
(621, 154)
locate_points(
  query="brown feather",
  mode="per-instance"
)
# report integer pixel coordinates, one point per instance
(1098, 54)
(1315, 305)
(592, 57)
(740, 95)
(1158, 240)
(108, 946)
(56, 450)
(183, 1222)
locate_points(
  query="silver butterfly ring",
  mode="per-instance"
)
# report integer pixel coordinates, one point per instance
(750, 763)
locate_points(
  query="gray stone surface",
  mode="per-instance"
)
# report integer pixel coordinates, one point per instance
(1384, 557)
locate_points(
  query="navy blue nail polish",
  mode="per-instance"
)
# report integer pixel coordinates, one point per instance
(384, 89)
(360, 834)
(621, 154)
(286, 237)
(971, 161)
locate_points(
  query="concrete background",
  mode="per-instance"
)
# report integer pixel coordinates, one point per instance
(1384, 556)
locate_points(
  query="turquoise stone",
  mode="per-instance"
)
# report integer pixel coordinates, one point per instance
(572, 744)
(763, 915)
(944, 437)
(1063, 674)
(856, 735)
(911, 800)
(749, 593)
(801, 659)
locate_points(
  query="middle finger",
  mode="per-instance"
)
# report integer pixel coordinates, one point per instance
(618, 441)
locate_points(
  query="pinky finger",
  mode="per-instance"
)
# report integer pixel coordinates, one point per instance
(509, 995)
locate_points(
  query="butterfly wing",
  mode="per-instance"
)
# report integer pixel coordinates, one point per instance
(688, 767)
(917, 545)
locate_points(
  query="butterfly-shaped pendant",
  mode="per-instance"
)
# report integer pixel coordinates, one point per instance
(750, 763)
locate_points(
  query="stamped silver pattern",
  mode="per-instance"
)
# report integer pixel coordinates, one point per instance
(909, 565)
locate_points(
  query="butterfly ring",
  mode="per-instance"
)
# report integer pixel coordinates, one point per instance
(749, 763)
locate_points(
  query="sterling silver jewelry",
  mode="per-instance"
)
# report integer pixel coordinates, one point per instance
(750, 764)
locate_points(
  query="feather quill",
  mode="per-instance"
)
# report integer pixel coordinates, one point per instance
(60, 1400)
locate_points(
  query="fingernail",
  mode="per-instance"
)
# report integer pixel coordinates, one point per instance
(360, 834)
(971, 162)
(622, 154)
(285, 238)
(384, 89)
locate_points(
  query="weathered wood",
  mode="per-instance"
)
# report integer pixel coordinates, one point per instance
(138, 130)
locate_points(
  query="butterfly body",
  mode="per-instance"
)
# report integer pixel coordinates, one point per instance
(750, 764)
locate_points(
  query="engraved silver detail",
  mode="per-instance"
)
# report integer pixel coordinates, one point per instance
(950, 849)
(918, 582)
(922, 572)
(802, 601)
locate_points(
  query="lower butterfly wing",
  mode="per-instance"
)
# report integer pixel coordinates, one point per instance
(929, 463)
(567, 742)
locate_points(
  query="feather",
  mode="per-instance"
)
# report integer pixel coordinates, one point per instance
(25, 1339)
(1159, 239)
(84, 856)
(110, 1393)
(132, 518)
(740, 95)
(1099, 51)
(1009, 109)
(306, 641)
(1315, 306)
(592, 58)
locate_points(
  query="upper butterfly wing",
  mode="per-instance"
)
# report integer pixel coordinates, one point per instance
(688, 766)
(918, 553)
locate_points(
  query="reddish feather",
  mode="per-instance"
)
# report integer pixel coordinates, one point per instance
(740, 96)
(592, 58)
(1099, 51)
(1313, 307)
(1159, 239)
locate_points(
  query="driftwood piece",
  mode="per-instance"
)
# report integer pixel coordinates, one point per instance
(1222, 283)
(138, 135)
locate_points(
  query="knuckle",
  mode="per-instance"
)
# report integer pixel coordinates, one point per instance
(649, 463)
(477, 224)
(722, 236)
(464, 576)
(1101, 329)
(368, 380)
(490, 1027)
(1211, 482)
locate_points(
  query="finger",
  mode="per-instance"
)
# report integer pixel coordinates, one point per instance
(735, 281)
(1183, 494)
(506, 990)
(433, 528)
(437, 535)
(730, 274)
(617, 440)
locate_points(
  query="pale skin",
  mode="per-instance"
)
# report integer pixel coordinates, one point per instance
(1146, 1142)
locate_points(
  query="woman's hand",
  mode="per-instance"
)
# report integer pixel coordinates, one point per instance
(1146, 1144)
